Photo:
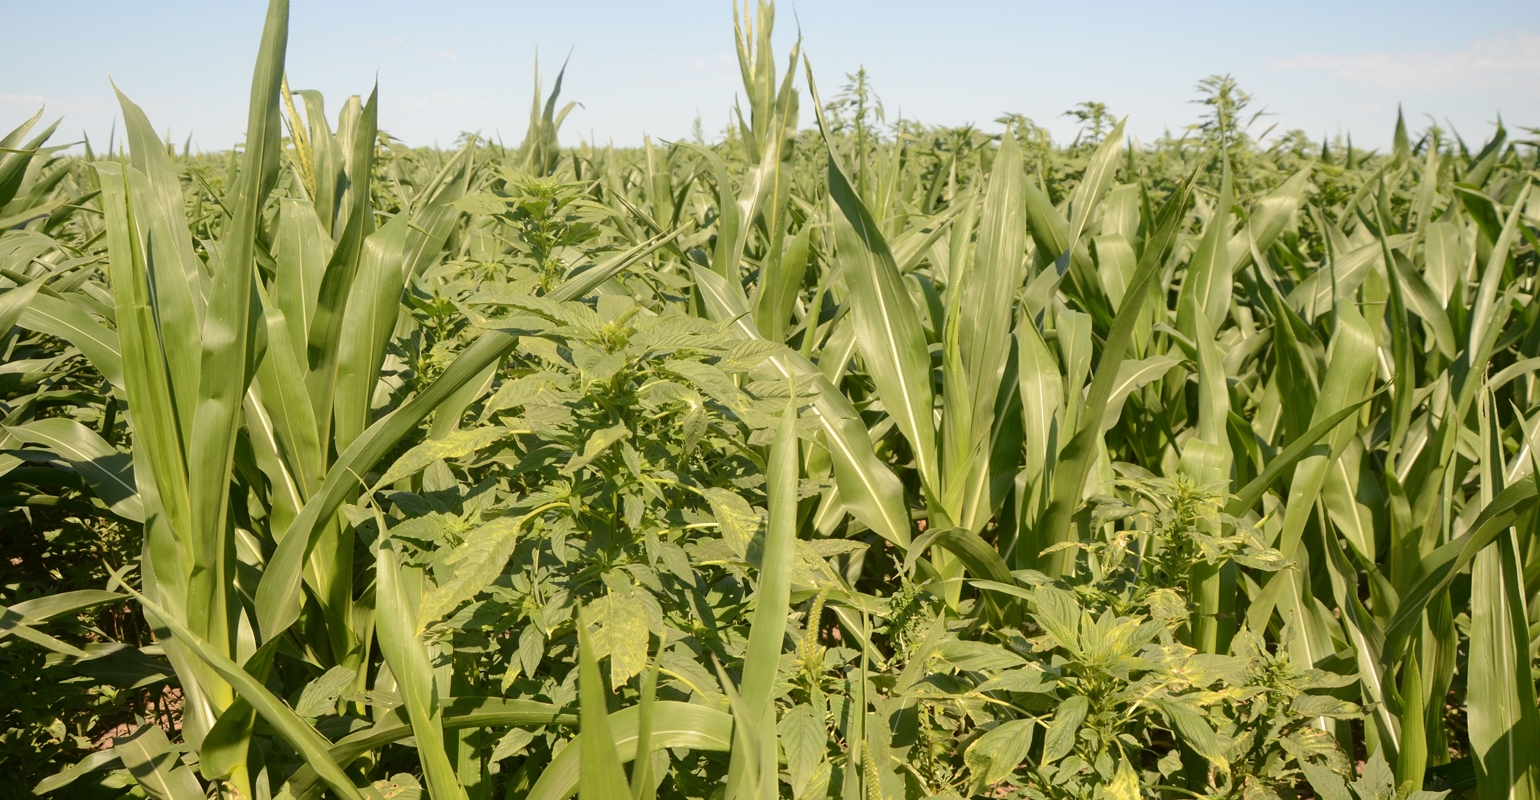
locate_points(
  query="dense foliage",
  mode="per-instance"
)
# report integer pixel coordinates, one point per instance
(852, 461)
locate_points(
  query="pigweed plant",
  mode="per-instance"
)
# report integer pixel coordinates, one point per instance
(830, 459)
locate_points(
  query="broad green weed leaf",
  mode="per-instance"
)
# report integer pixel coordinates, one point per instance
(472, 566)
(1059, 614)
(805, 740)
(1059, 739)
(454, 446)
(996, 754)
(599, 442)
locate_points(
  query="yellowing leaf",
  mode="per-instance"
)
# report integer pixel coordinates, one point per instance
(739, 522)
(622, 635)
(1124, 785)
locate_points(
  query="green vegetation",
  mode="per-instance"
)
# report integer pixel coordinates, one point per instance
(854, 461)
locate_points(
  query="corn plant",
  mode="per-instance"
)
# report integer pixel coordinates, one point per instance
(846, 462)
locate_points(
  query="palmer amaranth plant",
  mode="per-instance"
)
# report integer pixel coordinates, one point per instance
(848, 461)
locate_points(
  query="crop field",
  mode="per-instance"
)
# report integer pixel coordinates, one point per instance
(824, 459)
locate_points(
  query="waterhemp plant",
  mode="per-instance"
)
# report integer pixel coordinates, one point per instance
(839, 462)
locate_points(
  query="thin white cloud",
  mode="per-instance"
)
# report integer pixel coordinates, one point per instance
(447, 55)
(8, 100)
(435, 101)
(1507, 61)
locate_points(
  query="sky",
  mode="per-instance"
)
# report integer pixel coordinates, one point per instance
(650, 68)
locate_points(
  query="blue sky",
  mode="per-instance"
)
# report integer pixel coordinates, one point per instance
(651, 67)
